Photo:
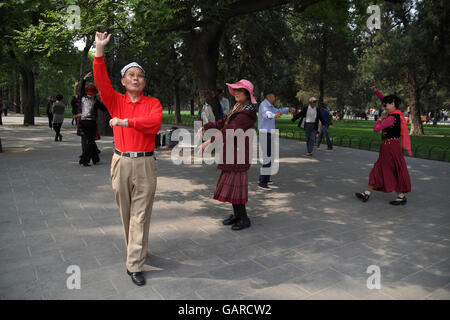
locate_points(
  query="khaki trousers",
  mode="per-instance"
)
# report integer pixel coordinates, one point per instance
(134, 184)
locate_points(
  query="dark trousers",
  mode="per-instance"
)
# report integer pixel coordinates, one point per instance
(310, 131)
(50, 120)
(89, 128)
(323, 132)
(5, 111)
(57, 128)
(240, 211)
(266, 146)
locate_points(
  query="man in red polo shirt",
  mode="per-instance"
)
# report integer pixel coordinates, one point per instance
(135, 121)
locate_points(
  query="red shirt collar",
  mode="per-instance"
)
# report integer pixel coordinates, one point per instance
(140, 100)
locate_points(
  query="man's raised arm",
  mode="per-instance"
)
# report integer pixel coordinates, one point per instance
(101, 79)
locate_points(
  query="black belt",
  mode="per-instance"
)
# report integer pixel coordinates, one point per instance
(134, 154)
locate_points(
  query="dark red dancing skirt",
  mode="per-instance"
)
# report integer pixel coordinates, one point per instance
(232, 187)
(390, 171)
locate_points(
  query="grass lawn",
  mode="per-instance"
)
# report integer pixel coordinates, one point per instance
(435, 144)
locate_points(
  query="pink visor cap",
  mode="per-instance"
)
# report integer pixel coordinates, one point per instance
(244, 84)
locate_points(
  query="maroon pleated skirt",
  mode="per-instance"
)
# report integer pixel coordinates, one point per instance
(232, 187)
(390, 172)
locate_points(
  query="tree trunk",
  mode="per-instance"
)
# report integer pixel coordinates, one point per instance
(204, 47)
(84, 57)
(103, 123)
(323, 67)
(177, 101)
(36, 94)
(17, 94)
(192, 107)
(414, 104)
(28, 96)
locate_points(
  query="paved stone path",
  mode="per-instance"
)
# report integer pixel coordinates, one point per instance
(310, 237)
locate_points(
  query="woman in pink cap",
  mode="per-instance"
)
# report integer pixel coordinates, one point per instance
(233, 181)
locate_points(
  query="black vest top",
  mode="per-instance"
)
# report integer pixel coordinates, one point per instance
(392, 132)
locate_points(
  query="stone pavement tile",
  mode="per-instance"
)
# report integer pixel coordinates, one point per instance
(243, 240)
(227, 289)
(428, 256)
(18, 276)
(212, 239)
(66, 245)
(196, 251)
(23, 291)
(440, 268)
(96, 290)
(332, 293)
(142, 293)
(353, 267)
(42, 238)
(238, 270)
(287, 242)
(324, 245)
(52, 272)
(106, 259)
(242, 253)
(190, 296)
(176, 289)
(440, 294)
(33, 224)
(428, 279)
(280, 257)
(351, 250)
(190, 267)
(85, 262)
(383, 254)
(397, 270)
(15, 251)
(357, 287)
(7, 237)
(283, 291)
(319, 280)
(276, 276)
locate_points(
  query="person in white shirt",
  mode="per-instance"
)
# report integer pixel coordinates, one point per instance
(267, 113)
(310, 117)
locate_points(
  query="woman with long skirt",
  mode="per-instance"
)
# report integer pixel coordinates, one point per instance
(390, 171)
(233, 181)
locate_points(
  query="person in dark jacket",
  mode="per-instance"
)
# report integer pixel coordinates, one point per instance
(325, 124)
(89, 104)
(50, 101)
(310, 117)
(233, 181)
(75, 102)
(58, 109)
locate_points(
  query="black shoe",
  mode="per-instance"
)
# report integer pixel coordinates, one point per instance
(137, 278)
(241, 224)
(230, 220)
(264, 187)
(60, 138)
(362, 196)
(85, 164)
(398, 201)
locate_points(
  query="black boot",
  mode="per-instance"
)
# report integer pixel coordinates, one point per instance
(244, 221)
(232, 218)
